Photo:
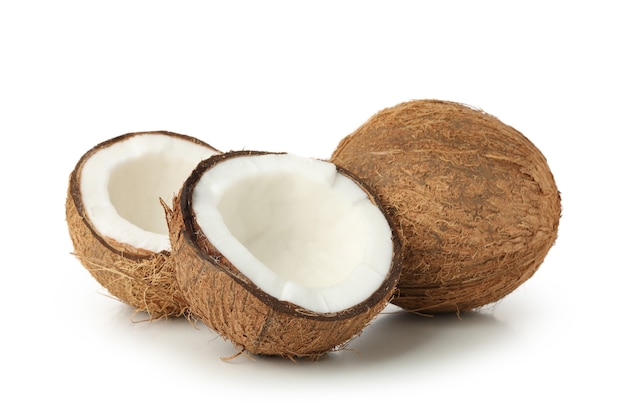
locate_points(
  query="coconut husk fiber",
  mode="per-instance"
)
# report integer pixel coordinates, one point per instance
(475, 202)
(230, 303)
(140, 278)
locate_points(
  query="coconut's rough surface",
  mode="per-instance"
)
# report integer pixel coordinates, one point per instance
(474, 201)
(227, 301)
(138, 277)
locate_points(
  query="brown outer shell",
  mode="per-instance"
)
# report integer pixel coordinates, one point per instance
(474, 201)
(138, 277)
(227, 301)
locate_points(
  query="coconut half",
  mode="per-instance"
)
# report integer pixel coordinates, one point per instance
(116, 220)
(474, 200)
(282, 255)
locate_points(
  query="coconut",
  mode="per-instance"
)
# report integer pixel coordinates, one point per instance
(115, 219)
(280, 254)
(474, 201)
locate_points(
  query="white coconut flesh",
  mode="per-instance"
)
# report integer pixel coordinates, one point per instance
(297, 228)
(121, 185)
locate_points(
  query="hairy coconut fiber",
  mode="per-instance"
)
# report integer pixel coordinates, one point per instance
(140, 278)
(474, 201)
(228, 302)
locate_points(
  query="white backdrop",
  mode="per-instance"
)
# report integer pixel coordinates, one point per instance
(283, 76)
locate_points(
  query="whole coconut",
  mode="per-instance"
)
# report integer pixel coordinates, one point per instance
(475, 203)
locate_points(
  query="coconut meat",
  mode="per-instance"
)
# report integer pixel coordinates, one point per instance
(297, 228)
(121, 185)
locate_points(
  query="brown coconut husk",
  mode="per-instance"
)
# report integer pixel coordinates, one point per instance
(475, 202)
(140, 278)
(228, 302)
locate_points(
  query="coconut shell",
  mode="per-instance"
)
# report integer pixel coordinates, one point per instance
(474, 201)
(230, 303)
(140, 278)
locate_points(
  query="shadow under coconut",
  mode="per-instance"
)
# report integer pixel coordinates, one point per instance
(394, 336)
(397, 335)
(174, 341)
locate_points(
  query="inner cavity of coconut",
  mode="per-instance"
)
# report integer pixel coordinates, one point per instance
(121, 185)
(297, 228)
